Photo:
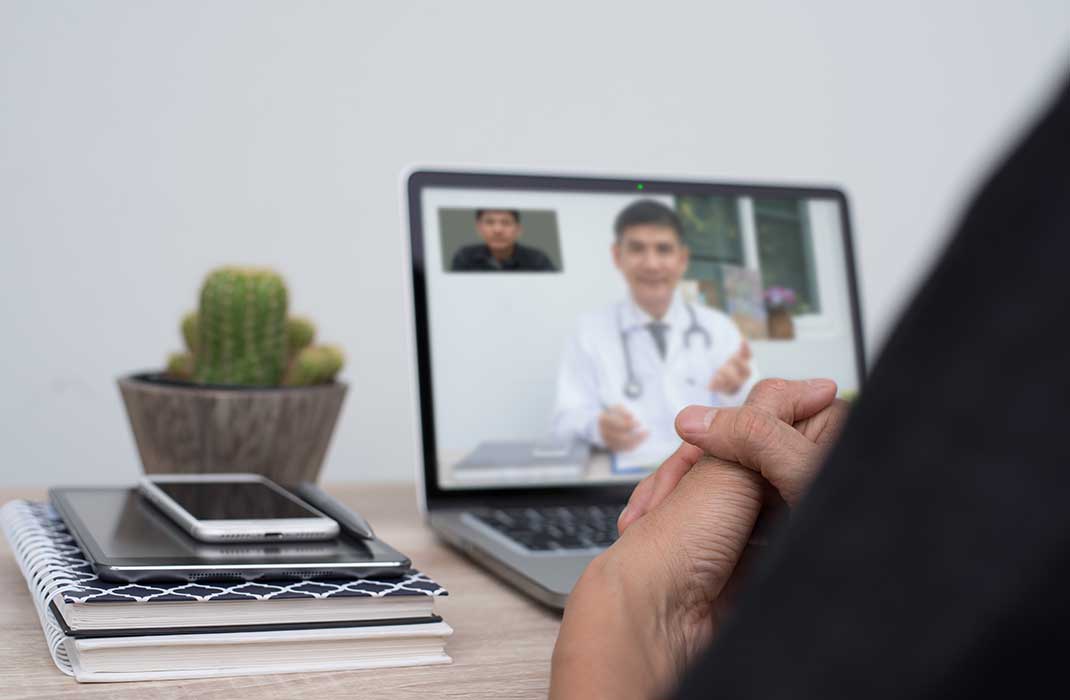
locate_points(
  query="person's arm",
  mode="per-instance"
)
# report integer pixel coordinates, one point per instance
(578, 409)
(644, 607)
(733, 381)
(577, 404)
(931, 556)
(648, 604)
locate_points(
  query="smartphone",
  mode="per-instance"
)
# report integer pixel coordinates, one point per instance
(235, 508)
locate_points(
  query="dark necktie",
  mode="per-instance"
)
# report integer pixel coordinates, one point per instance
(658, 330)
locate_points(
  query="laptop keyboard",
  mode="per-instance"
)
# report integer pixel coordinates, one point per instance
(556, 527)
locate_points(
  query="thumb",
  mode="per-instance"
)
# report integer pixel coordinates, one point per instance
(757, 439)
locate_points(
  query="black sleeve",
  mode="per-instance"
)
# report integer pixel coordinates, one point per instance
(459, 263)
(545, 264)
(932, 556)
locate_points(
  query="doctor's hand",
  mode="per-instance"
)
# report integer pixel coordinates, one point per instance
(782, 432)
(734, 373)
(620, 430)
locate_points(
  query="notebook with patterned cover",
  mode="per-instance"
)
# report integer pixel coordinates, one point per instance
(73, 602)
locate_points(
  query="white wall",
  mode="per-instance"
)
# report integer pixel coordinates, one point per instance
(143, 143)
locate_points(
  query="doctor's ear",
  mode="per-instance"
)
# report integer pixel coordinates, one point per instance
(614, 250)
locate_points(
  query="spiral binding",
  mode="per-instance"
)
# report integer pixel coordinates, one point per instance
(44, 554)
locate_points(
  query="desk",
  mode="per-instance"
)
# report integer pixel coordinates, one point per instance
(501, 644)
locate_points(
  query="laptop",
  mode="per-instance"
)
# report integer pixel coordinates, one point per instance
(533, 296)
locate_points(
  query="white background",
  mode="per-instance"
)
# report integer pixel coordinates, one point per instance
(143, 143)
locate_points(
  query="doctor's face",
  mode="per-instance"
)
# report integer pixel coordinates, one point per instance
(652, 259)
(499, 230)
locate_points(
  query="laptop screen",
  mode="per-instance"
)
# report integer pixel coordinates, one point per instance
(566, 329)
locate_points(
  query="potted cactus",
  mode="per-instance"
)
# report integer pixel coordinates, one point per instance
(251, 392)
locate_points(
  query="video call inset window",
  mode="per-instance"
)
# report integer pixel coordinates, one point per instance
(500, 240)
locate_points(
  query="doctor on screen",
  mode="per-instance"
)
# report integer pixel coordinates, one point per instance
(630, 368)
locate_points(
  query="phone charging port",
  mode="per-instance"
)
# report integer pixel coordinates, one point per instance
(274, 535)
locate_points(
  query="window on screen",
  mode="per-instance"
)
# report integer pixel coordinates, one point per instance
(499, 240)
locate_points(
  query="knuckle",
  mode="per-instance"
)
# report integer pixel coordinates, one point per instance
(752, 426)
(768, 388)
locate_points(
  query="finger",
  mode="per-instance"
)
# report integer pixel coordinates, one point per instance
(625, 417)
(654, 488)
(742, 365)
(744, 350)
(704, 525)
(668, 475)
(636, 504)
(738, 375)
(792, 401)
(825, 427)
(634, 439)
(727, 380)
(622, 442)
(620, 423)
(756, 439)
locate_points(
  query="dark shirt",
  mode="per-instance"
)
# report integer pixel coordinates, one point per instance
(478, 258)
(931, 557)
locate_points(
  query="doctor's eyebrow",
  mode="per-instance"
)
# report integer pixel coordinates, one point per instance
(661, 247)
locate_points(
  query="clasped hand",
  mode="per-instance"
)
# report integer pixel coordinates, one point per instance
(648, 604)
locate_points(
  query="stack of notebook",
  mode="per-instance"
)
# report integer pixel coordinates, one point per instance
(104, 631)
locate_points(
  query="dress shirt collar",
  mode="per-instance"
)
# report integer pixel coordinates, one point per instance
(634, 317)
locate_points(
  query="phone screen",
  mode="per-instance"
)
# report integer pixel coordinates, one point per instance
(234, 500)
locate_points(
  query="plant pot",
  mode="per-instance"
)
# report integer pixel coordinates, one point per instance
(781, 324)
(279, 432)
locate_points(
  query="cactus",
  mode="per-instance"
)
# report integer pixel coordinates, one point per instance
(300, 332)
(241, 335)
(180, 365)
(241, 328)
(189, 331)
(315, 365)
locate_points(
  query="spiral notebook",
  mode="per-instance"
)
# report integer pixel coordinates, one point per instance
(99, 630)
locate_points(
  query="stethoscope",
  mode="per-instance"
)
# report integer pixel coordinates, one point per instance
(633, 388)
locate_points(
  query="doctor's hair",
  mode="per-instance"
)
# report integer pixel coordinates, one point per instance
(647, 212)
(514, 212)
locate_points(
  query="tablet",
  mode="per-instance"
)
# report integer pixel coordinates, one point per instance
(128, 539)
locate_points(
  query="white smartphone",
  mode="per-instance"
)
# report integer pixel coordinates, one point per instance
(235, 507)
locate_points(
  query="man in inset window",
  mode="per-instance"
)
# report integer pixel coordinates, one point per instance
(500, 252)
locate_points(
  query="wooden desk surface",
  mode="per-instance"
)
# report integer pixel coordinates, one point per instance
(501, 643)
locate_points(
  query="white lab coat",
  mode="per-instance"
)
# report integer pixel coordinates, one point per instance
(592, 374)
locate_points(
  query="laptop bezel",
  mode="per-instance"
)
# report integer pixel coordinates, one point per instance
(420, 179)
